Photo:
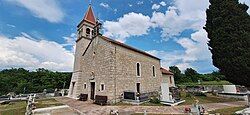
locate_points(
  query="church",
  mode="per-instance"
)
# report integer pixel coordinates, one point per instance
(106, 67)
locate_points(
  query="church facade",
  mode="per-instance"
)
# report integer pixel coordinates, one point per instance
(107, 67)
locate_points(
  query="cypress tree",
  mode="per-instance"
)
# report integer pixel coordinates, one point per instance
(228, 28)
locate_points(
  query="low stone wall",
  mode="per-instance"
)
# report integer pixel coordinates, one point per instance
(234, 95)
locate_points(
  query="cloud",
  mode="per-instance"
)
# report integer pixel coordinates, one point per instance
(131, 24)
(31, 54)
(140, 2)
(163, 3)
(44, 9)
(105, 5)
(130, 5)
(181, 16)
(155, 7)
(10, 25)
(195, 50)
(70, 40)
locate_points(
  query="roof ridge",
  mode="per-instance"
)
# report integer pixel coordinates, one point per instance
(129, 47)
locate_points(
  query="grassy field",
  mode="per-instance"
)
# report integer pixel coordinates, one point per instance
(191, 99)
(18, 108)
(207, 83)
(227, 111)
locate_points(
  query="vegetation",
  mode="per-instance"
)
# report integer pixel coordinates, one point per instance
(24, 81)
(209, 98)
(228, 28)
(19, 108)
(192, 76)
(227, 111)
(206, 83)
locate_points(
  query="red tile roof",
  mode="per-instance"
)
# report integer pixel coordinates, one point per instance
(89, 16)
(128, 47)
(166, 72)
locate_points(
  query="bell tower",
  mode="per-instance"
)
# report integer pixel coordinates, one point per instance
(85, 33)
(86, 26)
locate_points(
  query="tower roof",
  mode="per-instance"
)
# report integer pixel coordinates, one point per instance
(89, 16)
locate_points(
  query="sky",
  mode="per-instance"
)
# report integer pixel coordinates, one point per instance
(42, 33)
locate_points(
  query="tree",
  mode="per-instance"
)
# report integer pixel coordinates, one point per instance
(23, 81)
(228, 28)
(177, 73)
(191, 73)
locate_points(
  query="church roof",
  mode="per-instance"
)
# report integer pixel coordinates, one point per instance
(89, 16)
(128, 47)
(166, 72)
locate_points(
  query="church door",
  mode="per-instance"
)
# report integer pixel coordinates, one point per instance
(92, 93)
(138, 87)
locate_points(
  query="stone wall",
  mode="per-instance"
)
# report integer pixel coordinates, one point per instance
(115, 67)
(166, 79)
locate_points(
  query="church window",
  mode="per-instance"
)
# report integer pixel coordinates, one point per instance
(138, 69)
(92, 32)
(85, 86)
(102, 88)
(153, 68)
(87, 31)
(170, 79)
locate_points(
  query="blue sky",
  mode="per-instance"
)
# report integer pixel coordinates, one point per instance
(41, 33)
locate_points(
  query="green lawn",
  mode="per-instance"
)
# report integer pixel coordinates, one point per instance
(19, 108)
(227, 111)
(191, 99)
(206, 83)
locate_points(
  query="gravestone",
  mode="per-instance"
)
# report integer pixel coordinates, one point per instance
(129, 95)
(229, 89)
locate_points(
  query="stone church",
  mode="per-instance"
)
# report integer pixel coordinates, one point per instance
(107, 67)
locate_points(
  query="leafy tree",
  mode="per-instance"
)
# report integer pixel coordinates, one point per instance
(23, 81)
(191, 73)
(177, 73)
(228, 28)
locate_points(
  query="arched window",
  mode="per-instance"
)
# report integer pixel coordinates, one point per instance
(87, 31)
(153, 68)
(92, 32)
(138, 69)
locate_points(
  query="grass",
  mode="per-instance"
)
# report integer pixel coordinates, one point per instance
(227, 111)
(191, 99)
(47, 103)
(19, 108)
(13, 108)
(207, 83)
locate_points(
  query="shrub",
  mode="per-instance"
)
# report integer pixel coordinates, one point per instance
(154, 100)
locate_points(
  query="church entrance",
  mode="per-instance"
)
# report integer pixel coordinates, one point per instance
(92, 92)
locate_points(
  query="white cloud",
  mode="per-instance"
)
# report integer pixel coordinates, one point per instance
(105, 5)
(195, 50)
(130, 5)
(131, 24)
(181, 16)
(32, 54)
(70, 40)
(163, 3)
(155, 7)
(140, 2)
(44, 9)
(10, 25)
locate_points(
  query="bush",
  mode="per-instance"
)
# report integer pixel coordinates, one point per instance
(155, 100)
(199, 94)
(188, 95)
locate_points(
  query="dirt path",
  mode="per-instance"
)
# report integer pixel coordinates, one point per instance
(88, 108)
